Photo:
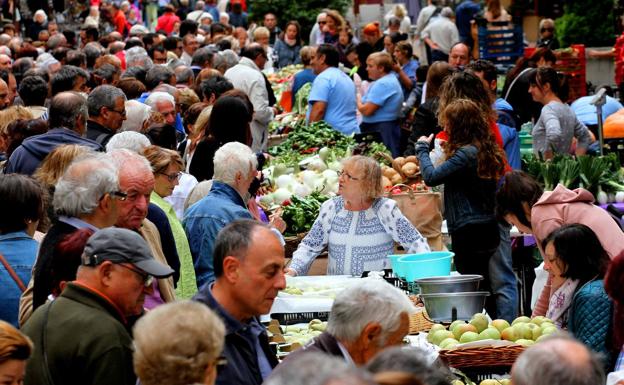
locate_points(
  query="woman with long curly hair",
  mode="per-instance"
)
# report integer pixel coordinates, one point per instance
(474, 164)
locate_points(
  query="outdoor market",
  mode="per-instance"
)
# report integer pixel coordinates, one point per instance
(346, 192)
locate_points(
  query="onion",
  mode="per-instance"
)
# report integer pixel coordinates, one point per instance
(283, 181)
(619, 197)
(281, 195)
(309, 177)
(330, 174)
(317, 165)
(301, 190)
(335, 165)
(266, 200)
(602, 197)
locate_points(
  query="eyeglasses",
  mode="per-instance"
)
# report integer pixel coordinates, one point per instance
(172, 177)
(347, 175)
(122, 196)
(147, 279)
(122, 112)
(322, 22)
(547, 29)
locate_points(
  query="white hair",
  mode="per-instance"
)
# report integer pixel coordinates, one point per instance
(129, 140)
(87, 179)
(137, 57)
(159, 96)
(224, 15)
(136, 114)
(233, 158)
(41, 12)
(320, 16)
(370, 300)
(125, 159)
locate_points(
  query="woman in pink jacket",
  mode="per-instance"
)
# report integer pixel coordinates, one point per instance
(522, 202)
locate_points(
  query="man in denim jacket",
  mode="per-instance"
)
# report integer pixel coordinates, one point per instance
(234, 170)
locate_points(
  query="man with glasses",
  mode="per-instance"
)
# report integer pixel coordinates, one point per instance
(136, 180)
(107, 111)
(82, 337)
(316, 35)
(67, 121)
(86, 196)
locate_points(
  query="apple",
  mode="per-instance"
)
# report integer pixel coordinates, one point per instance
(523, 319)
(510, 334)
(536, 331)
(461, 329)
(480, 321)
(524, 342)
(440, 336)
(455, 323)
(500, 324)
(540, 319)
(523, 330)
(546, 324)
(449, 343)
(468, 337)
(490, 334)
(434, 328)
(549, 330)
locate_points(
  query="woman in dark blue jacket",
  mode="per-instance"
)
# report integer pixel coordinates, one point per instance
(474, 163)
(578, 263)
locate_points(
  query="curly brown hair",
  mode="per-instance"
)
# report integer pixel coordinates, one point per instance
(466, 123)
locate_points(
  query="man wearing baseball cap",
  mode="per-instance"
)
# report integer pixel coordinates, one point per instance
(82, 337)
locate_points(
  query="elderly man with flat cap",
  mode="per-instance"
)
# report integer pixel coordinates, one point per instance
(82, 337)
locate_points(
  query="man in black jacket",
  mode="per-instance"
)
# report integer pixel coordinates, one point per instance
(107, 111)
(249, 270)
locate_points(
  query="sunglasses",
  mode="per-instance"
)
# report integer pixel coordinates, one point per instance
(547, 30)
(322, 22)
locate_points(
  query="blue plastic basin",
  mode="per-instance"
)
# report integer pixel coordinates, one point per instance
(396, 269)
(424, 265)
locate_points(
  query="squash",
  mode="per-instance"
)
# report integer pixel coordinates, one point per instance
(614, 126)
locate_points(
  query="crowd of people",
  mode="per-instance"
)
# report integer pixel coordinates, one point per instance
(132, 153)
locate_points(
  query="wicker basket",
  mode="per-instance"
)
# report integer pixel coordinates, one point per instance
(292, 243)
(481, 357)
(420, 322)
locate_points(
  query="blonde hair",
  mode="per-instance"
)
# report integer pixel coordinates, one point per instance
(12, 114)
(13, 344)
(190, 339)
(400, 11)
(160, 158)
(338, 19)
(371, 182)
(187, 97)
(56, 163)
(382, 59)
(261, 32)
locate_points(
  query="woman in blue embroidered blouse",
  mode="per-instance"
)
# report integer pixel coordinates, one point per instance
(21, 205)
(359, 227)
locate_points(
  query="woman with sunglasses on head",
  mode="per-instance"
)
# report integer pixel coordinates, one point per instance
(557, 124)
(547, 35)
(167, 166)
(359, 226)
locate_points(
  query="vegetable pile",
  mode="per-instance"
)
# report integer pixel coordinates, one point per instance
(601, 175)
(300, 213)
